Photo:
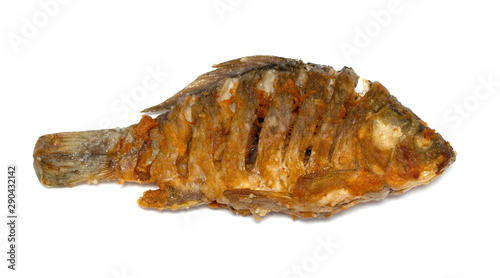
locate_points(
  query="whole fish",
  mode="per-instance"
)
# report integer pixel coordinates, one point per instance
(259, 134)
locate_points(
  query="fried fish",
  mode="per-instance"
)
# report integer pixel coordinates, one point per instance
(256, 135)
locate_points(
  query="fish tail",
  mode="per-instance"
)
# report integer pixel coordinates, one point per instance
(68, 158)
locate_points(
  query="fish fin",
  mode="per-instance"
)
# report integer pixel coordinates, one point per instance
(170, 198)
(257, 202)
(68, 158)
(223, 70)
(313, 187)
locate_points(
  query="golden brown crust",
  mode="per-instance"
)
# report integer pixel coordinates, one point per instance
(280, 136)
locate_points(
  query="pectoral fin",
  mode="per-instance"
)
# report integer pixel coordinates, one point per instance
(315, 187)
(170, 198)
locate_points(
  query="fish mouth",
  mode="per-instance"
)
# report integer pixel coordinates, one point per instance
(449, 158)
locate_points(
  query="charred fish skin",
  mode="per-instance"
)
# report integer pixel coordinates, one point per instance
(259, 134)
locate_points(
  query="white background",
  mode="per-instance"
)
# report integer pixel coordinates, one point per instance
(75, 70)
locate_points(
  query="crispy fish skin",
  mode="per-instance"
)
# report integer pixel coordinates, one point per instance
(259, 134)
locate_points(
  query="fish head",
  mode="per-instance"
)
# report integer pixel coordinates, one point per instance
(399, 146)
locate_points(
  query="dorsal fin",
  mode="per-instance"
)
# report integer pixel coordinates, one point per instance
(223, 70)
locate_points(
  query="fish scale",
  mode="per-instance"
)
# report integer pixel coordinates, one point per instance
(259, 134)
